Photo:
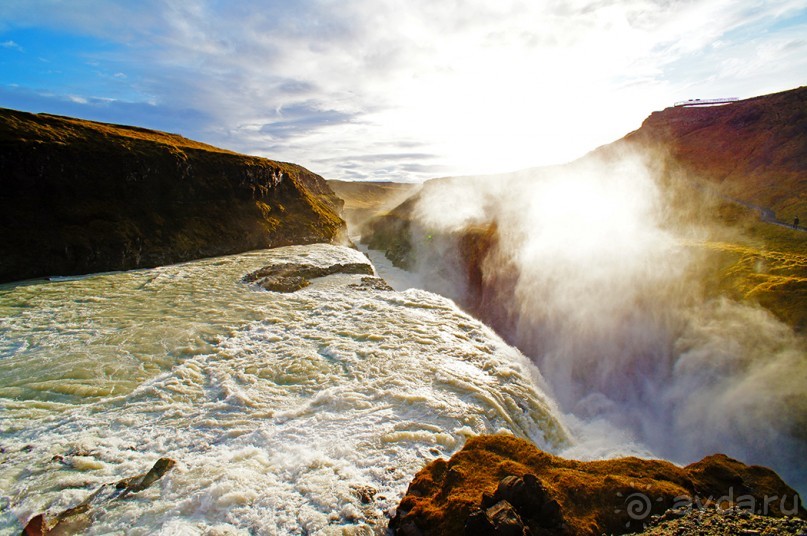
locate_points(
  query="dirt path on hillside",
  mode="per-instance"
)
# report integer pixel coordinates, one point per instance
(767, 215)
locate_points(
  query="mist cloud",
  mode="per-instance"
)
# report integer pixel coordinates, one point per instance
(592, 280)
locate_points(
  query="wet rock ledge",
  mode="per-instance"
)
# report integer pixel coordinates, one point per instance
(502, 485)
(290, 277)
(77, 519)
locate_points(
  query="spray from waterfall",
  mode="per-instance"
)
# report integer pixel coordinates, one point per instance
(592, 273)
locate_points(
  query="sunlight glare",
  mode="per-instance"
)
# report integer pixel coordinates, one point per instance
(591, 217)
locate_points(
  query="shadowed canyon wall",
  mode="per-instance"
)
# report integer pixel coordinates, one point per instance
(79, 197)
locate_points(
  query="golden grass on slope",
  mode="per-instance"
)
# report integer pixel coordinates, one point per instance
(59, 129)
(376, 196)
(759, 262)
(740, 255)
(753, 269)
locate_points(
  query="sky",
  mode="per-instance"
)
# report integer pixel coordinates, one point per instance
(392, 90)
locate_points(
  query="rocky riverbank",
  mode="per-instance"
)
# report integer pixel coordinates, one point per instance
(78, 519)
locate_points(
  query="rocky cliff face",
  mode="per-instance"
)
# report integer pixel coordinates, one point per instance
(504, 485)
(79, 197)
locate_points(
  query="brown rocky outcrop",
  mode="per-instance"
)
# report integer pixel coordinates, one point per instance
(500, 484)
(78, 197)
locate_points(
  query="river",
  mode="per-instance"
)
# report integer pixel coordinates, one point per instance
(300, 413)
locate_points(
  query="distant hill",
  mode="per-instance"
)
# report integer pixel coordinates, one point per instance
(754, 150)
(78, 196)
(366, 200)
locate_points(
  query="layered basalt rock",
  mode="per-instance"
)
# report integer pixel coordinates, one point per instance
(79, 197)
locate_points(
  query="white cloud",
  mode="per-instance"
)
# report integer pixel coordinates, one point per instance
(482, 86)
(11, 44)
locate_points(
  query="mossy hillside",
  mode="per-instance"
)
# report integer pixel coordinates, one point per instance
(757, 262)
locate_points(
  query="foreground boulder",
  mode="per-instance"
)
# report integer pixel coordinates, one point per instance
(504, 485)
(79, 197)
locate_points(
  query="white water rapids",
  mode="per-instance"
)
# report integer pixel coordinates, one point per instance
(281, 410)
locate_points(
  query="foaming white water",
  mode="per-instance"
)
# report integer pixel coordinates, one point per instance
(283, 413)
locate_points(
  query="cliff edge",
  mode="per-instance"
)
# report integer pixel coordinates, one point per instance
(78, 197)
